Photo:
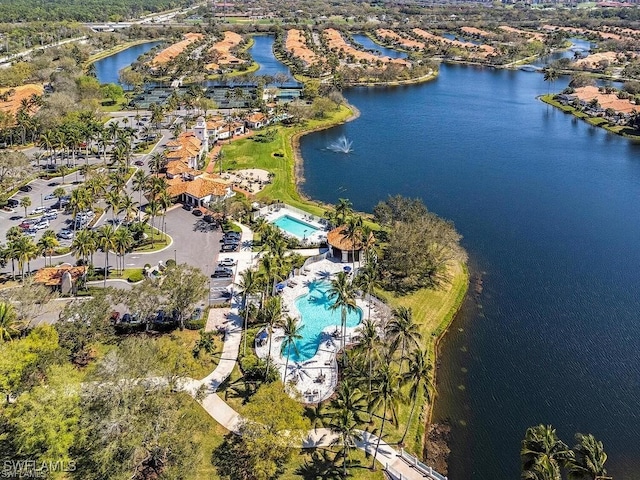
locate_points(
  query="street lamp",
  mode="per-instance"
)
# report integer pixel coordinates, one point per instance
(175, 256)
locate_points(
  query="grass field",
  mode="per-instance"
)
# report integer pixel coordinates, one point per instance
(247, 153)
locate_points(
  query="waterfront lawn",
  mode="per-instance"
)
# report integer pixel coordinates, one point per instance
(247, 153)
(433, 311)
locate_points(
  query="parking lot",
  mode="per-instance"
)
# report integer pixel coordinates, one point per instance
(40, 197)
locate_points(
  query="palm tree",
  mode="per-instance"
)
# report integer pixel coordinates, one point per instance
(292, 329)
(587, 462)
(106, 242)
(157, 162)
(153, 208)
(78, 202)
(165, 201)
(367, 279)
(10, 327)
(542, 453)
(129, 207)
(25, 202)
(84, 245)
(342, 292)
(344, 209)
(123, 242)
(25, 250)
(369, 342)
(248, 284)
(344, 414)
(271, 313)
(140, 181)
(550, 75)
(114, 201)
(386, 391)
(47, 244)
(418, 377)
(403, 330)
(352, 233)
(59, 192)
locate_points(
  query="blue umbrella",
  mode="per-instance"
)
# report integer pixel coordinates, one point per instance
(346, 268)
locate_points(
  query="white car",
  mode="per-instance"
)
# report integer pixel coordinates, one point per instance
(226, 262)
(49, 196)
(37, 210)
(65, 234)
(41, 225)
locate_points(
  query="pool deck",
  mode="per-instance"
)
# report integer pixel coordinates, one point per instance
(316, 237)
(315, 379)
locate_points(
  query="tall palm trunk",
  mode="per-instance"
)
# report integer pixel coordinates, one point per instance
(266, 374)
(106, 266)
(286, 364)
(384, 418)
(413, 407)
(246, 321)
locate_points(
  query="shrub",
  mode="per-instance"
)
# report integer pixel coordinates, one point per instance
(170, 263)
(136, 277)
(195, 324)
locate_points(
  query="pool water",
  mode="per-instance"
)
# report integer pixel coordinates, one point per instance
(316, 314)
(295, 227)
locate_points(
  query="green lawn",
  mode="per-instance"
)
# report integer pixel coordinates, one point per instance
(433, 310)
(160, 240)
(247, 153)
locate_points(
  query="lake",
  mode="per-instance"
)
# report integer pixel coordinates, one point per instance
(547, 207)
(107, 68)
(369, 44)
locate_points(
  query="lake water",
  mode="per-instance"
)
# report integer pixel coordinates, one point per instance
(107, 68)
(547, 207)
(262, 52)
(369, 44)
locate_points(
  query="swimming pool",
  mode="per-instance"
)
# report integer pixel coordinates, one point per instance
(295, 227)
(316, 314)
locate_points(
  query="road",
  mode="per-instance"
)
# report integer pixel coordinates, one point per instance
(9, 58)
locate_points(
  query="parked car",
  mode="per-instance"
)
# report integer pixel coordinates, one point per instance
(138, 162)
(37, 211)
(226, 262)
(197, 213)
(15, 217)
(31, 232)
(13, 202)
(26, 188)
(65, 234)
(229, 247)
(208, 218)
(50, 215)
(25, 225)
(222, 273)
(187, 207)
(41, 225)
(52, 184)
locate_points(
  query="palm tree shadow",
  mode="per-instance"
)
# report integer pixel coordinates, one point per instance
(324, 275)
(321, 466)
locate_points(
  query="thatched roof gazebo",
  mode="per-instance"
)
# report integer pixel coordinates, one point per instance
(343, 247)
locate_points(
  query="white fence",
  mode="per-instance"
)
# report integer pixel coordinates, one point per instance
(393, 474)
(421, 467)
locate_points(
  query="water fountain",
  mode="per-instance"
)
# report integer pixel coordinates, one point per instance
(342, 145)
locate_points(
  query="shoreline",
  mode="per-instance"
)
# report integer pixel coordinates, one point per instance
(298, 161)
(446, 320)
(593, 121)
(115, 50)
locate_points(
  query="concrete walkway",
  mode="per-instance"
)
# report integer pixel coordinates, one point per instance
(221, 412)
